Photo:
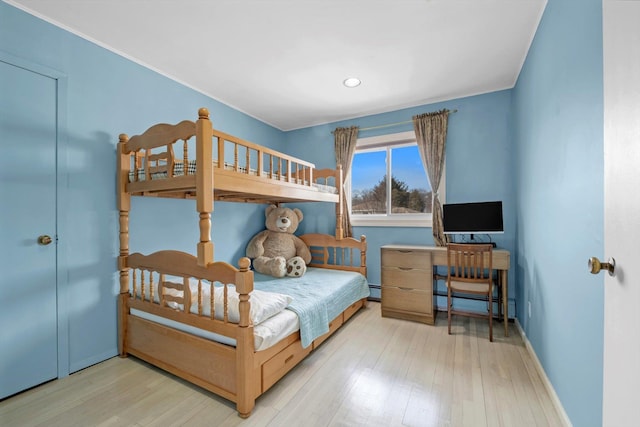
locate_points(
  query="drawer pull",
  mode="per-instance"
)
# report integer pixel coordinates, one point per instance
(405, 251)
(405, 268)
(405, 289)
(288, 359)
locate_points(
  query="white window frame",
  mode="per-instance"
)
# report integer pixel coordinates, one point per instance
(405, 220)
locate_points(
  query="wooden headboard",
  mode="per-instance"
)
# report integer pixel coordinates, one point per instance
(339, 254)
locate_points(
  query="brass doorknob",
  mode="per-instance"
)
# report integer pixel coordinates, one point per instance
(44, 240)
(595, 266)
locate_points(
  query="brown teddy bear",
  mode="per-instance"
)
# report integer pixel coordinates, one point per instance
(276, 251)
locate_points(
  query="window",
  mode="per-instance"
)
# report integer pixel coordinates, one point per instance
(389, 186)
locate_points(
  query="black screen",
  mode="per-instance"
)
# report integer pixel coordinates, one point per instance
(470, 218)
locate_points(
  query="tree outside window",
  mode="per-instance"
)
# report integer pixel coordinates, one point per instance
(389, 185)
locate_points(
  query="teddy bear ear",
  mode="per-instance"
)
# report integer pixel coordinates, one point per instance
(270, 209)
(298, 212)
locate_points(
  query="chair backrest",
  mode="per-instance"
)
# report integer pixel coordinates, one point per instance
(470, 262)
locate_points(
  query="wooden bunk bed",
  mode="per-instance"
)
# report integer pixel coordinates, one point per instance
(192, 316)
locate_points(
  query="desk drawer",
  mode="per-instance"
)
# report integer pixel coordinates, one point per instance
(406, 258)
(406, 277)
(407, 300)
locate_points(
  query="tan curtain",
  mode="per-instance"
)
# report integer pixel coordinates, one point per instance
(431, 135)
(345, 142)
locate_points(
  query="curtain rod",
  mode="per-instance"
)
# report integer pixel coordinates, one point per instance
(395, 124)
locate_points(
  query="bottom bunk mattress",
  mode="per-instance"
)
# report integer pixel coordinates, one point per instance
(282, 306)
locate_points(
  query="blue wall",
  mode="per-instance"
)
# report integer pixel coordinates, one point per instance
(105, 96)
(558, 138)
(478, 167)
(539, 148)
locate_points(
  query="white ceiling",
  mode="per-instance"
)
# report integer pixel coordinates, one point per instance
(283, 61)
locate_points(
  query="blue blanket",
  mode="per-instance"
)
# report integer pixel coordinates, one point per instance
(318, 296)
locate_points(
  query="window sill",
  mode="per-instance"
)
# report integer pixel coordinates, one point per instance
(385, 221)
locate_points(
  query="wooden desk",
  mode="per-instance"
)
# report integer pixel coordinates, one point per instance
(433, 256)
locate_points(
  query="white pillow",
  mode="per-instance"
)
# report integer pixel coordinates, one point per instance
(263, 304)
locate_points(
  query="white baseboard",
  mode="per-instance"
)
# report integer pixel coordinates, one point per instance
(545, 380)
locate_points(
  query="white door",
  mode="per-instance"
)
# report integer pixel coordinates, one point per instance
(28, 308)
(621, 27)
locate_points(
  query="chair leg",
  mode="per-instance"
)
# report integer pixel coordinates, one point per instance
(449, 309)
(491, 313)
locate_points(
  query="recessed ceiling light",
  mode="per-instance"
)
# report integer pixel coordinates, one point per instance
(352, 82)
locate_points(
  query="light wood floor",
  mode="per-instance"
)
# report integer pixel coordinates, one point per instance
(373, 372)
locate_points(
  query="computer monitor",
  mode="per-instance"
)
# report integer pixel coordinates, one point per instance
(473, 218)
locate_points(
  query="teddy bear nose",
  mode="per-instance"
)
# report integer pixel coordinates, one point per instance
(284, 222)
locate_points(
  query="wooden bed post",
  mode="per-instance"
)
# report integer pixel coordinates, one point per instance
(245, 397)
(204, 184)
(124, 206)
(363, 256)
(339, 205)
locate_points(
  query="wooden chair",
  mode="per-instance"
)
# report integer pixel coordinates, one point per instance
(470, 272)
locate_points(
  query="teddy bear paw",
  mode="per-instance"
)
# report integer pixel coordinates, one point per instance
(296, 267)
(278, 266)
